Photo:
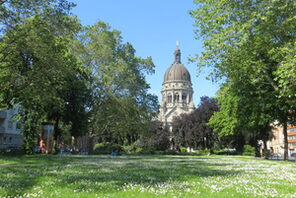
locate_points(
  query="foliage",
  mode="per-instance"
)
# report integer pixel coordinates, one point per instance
(157, 137)
(233, 124)
(38, 68)
(107, 148)
(121, 106)
(250, 45)
(183, 150)
(249, 150)
(16, 12)
(226, 152)
(146, 150)
(191, 130)
(130, 148)
(30, 128)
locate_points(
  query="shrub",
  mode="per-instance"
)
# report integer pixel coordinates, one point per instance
(129, 148)
(107, 148)
(138, 150)
(183, 150)
(249, 150)
(226, 152)
(203, 152)
(146, 150)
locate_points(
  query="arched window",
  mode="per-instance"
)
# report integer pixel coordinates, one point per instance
(184, 99)
(169, 98)
(176, 97)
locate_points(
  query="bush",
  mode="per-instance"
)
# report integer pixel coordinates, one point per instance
(129, 149)
(226, 152)
(203, 152)
(249, 150)
(107, 148)
(146, 150)
(183, 150)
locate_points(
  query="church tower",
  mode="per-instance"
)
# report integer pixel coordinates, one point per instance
(176, 91)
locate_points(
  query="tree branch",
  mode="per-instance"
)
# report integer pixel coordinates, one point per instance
(271, 81)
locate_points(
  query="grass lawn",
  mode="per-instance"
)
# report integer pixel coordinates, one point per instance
(145, 176)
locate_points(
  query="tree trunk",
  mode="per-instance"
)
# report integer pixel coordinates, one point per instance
(286, 157)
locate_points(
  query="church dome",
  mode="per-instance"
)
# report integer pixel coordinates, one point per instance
(177, 72)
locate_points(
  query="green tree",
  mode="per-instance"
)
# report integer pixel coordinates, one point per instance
(250, 43)
(122, 106)
(38, 66)
(16, 12)
(231, 120)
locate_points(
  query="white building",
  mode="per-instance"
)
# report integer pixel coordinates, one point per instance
(176, 91)
(10, 134)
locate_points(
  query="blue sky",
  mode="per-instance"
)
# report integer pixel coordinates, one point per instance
(152, 27)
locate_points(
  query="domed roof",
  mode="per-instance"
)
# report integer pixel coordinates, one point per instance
(177, 72)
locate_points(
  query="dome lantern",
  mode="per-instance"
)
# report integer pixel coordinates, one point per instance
(177, 71)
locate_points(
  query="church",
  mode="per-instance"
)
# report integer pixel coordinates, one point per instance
(176, 91)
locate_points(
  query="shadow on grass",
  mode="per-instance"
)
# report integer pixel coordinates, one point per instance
(104, 173)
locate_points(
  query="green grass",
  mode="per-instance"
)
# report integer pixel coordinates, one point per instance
(145, 176)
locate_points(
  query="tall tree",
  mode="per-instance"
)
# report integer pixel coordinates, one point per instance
(37, 64)
(250, 43)
(122, 106)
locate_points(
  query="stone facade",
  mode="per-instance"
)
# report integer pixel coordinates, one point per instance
(176, 91)
(276, 144)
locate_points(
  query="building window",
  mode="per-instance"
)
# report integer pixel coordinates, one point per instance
(291, 130)
(176, 97)
(169, 99)
(184, 99)
(10, 140)
(4, 140)
(292, 137)
(10, 124)
(18, 125)
(292, 143)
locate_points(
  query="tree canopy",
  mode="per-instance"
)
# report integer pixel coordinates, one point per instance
(251, 46)
(84, 78)
(191, 130)
(122, 107)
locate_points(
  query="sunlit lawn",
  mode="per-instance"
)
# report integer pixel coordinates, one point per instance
(145, 176)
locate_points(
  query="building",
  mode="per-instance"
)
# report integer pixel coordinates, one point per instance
(276, 144)
(10, 133)
(176, 91)
(292, 138)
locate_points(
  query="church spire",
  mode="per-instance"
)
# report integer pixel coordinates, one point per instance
(177, 53)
